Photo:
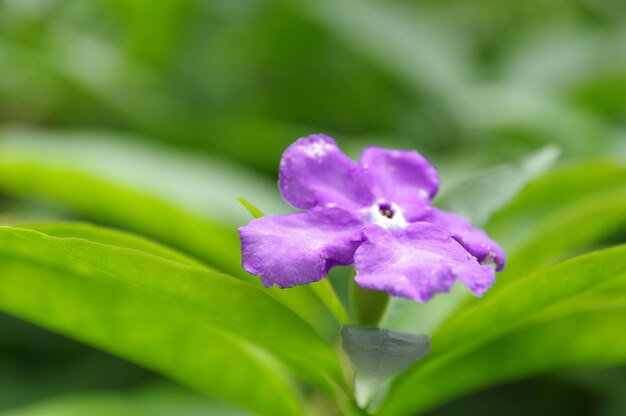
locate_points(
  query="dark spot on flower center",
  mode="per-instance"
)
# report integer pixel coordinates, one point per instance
(386, 210)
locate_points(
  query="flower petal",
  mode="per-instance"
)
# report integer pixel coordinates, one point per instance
(296, 249)
(474, 240)
(313, 171)
(401, 176)
(417, 262)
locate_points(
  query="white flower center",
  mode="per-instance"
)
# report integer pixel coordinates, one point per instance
(386, 215)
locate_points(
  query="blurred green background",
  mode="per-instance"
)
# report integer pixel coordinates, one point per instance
(469, 84)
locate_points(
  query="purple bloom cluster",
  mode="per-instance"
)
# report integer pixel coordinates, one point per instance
(377, 214)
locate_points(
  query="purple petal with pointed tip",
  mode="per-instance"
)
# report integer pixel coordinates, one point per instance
(417, 262)
(475, 240)
(401, 176)
(313, 172)
(295, 249)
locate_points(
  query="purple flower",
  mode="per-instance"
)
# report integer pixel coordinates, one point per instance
(376, 214)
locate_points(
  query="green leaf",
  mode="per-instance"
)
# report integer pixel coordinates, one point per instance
(112, 237)
(524, 330)
(484, 193)
(569, 230)
(62, 365)
(379, 354)
(254, 211)
(558, 216)
(366, 305)
(327, 294)
(127, 302)
(185, 201)
(158, 399)
(541, 200)
(410, 316)
(585, 338)
(155, 192)
(535, 293)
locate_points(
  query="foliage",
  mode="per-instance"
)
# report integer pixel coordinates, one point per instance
(130, 129)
